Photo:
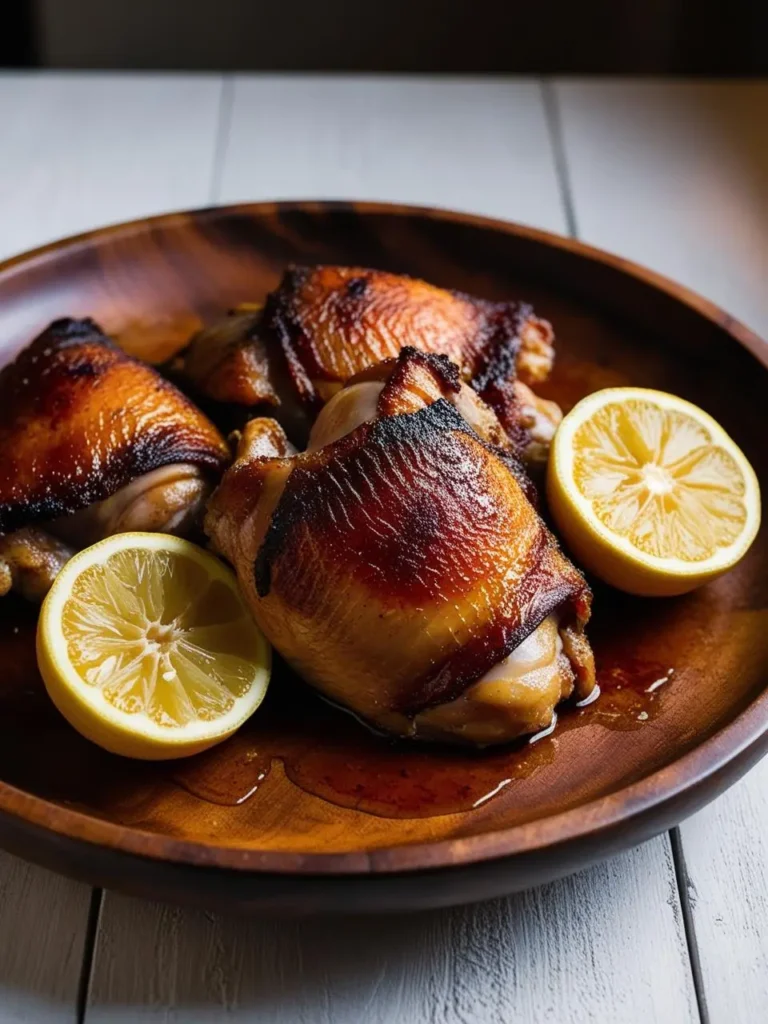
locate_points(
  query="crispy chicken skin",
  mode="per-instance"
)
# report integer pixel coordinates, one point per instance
(334, 322)
(325, 324)
(79, 419)
(94, 442)
(228, 362)
(401, 567)
(30, 560)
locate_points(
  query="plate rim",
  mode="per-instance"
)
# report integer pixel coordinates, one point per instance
(650, 793)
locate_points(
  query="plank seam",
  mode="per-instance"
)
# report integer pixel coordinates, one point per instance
(223, 133)
(89, 949)
(555, 129)
(682, 879)
(684, 888)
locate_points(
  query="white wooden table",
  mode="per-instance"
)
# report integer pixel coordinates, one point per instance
(672, 175)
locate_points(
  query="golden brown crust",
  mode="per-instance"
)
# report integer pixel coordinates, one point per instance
(403, 560)
(79, 419)
(537, 351)
(333, 322)
(325, 325)
(261, 437)
(30, 560)
(228, 361)
(263, 454)
(445, 524)
(415, 380)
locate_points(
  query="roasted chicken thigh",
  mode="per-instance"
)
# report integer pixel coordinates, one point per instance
(325, 324)
(92, 442)
(399, 564)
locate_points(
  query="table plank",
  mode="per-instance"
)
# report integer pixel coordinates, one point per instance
(726, 856)
(676, 176)
(607, 944)
(78, 151)
(84, 150)
(480, 145)
(43, 921)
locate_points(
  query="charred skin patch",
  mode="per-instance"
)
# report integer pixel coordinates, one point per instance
(550, 582)
(86, 368)
(68, 329)
(416, 512)
(79, 419)
(333, 322)
(356, 287)
(326, 325)
(496, 359)
(376, 510)
(501, 396)
(417, 379)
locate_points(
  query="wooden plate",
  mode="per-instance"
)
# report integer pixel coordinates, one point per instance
(305, 810)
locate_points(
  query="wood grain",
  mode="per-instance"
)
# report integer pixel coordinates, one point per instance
(42, 932)
(681, 183)
(726, 856)
(154, 281)
(529, 958)
(538, 935)
(480, 145)
(173, 270)
(556, 969)
(606, 944)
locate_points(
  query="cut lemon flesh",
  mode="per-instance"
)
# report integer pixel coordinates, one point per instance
(649, 492)
(146, 647)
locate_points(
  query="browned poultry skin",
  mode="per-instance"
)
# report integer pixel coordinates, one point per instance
(228, 362)
(323, 325)
(334, 322)
(79, 420)
(395, 566)
(30, 560)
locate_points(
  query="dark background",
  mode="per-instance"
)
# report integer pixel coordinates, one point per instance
(591, 36)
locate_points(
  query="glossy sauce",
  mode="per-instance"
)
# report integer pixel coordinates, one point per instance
(323, 750)
(330, 754)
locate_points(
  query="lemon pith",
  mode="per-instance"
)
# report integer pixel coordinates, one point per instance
(650, 492)
(146, 647)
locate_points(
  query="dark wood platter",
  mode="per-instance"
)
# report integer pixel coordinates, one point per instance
(304, 810)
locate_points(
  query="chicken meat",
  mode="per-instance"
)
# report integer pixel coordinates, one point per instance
(325, 324)
(93, 442)
(399, 564)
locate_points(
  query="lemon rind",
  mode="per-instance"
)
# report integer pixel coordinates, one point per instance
(563, 459)
(149, 735)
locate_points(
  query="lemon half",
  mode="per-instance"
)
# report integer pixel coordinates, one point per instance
(649, 492)
(146, 647)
